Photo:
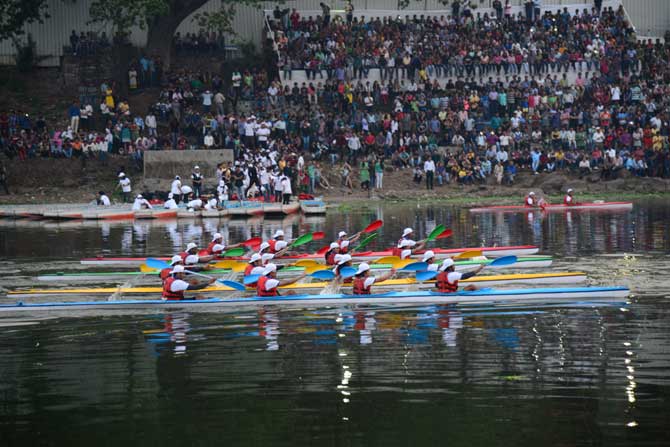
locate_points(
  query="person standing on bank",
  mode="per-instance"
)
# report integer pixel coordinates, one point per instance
(175, 189)
(124, 184)
(197, 178)
(429, 169)
(286, 189)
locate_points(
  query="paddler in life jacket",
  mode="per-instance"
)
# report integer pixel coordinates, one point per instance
(343, 242)
(429, 258)
(165, 273)
(568, 200)
(332, 253)
(277, 243)
(447, 280)
(530, 201)
(268, 283)
(363, 281)
(406, 245)
(216, 247)
(191, 257)
(175, 286)
(255, 265)
(342, 261)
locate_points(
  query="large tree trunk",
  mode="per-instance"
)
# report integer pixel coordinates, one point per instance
(162, 28)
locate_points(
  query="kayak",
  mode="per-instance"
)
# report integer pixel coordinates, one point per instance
(461, 265)
(495, 296)
(528, 278)
(440, 253)
(557, 207)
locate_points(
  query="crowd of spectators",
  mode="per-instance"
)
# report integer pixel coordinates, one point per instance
(538, 93)
(87, 43)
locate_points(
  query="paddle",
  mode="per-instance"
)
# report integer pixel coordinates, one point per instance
(426, 276)
(229, 264)
(469, 254)
(158, 264)
(445, 234)
(234, 252)
(435, 233)
(373, 226)
(365, 242)
(505, 260)
(387, 260)
(415, 267)
(302, 240)
(324, 275)
(253, 241)
(347, 272)
(234, 284)
(322, 251)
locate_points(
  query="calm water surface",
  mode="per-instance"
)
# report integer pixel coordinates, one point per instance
(352, 376)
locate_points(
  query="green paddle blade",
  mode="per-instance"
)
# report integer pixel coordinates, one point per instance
(436, 232)
(302, 240)
(365, 241)
(234, 252)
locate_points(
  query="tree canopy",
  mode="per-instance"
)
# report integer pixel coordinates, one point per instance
(15, 14)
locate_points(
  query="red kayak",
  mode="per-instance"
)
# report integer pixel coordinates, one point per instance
(618, 206)
(521, 250)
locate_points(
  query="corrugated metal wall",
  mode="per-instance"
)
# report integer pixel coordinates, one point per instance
(650, 17)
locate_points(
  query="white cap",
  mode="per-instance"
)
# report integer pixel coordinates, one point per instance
(341, 234)
(176, 177)
(407, 231)
(216, 237)
(178, 269)
(121, 174)
(175, 259)
(196, 167)
(446, 264)
(569, 190)
(531, 193)
(362, 267)
(254, 258)
(344, 259)
(265, 257)
(139, 196)
(278, 233)
(264, 246)
(191, 246)
(334, 245)
(269, 269)
(186, 189)
(428, 255)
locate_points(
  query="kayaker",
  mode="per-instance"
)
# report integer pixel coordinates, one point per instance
(332, 252)
(344, 242)
(170, 203)
(165, 273)
(568, 199)
(103, 199)
(363, 281)
(216, 247)
(429, 258)
(530, 201)
(343, 261)
(277, 243)
(255, 265)
(190, 256)
(447, 280)
(406, 245)
(268, 283)
(141, 203)
(175, 286)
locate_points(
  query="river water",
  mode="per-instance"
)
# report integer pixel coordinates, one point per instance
(352, 376)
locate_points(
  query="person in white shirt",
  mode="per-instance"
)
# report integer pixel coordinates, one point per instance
(141, 203)
(103, 200)
(175, 286)
(175, 189)
(222, 191)
(429, 169)
(263, 133)
(278, 187)
(124, 184)
(170, 203)
(194, 205)
(208, 140)
(286, 189)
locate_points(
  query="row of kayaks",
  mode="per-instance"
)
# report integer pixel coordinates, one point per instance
(590, 295)
(592, 206)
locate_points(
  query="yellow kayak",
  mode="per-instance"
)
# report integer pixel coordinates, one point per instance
(484, 281)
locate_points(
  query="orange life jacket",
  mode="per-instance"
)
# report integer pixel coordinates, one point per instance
(566, 202)
(359, 287)
(248, 269)
(183, 255)
(168, 294)
(330, 257)
(443, 285)
(272, 248)
(397, 251)
(260, 288)
(165, 273)
(343, 250)
(525, 203)
(210, 249)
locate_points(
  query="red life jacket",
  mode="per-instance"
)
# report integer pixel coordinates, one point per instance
(566, 202)
(525, 203)
(359, 287)
(165, 273)
(210, 249)
(184, 255)
(343, 250)
(330, 257)
(260, 287)
(397, 251)
(443, 285)
(272, 243)
(248, 269)
(168, 294)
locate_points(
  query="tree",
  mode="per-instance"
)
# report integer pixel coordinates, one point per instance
(161, 18)
(15, 14)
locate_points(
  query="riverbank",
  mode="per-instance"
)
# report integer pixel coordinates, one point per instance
(75, 181)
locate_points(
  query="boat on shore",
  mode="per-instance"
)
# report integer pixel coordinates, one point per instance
(440, 253)
(316, 206)
(593, 206)
(482, 296)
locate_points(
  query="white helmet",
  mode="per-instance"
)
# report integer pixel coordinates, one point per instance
(341, 234)
(362, 268)
(216, 237)
(254, 258)
(407, 231)
(175, 259)
(334, 245)
(569, 190)
(191, 246)
(446, 264)
(428, 255)
(278, 233)
(269, 269)
(344, 259)
(177, 269)
(531, 193)
(264, 246)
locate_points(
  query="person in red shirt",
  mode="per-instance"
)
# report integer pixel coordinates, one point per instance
(568, 199)
(175, 286)
(447, 280)
(332, 252)
(363, 281)
(216, 247)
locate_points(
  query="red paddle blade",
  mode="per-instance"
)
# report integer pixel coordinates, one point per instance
(317, 235)
(373, 226)
(445, 234)
(322, 251)
(253, 241)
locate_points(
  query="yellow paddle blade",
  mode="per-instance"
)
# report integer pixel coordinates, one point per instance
(146, 269)
(236, 266)
(315, 268)
(386, 260)
(306, 263)
(401, 263)
(469, 254)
